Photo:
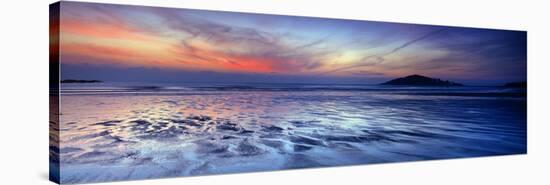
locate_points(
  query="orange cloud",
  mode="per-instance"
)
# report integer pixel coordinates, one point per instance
(120, 44)
(204, 57)
(257, 65)
(102, 30)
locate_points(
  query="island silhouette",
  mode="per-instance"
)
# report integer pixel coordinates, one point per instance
(419, 80)
(516, 84)
(80, 81)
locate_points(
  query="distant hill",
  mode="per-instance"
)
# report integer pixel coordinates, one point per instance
(516, 84)
(80, 81)
(419, 80)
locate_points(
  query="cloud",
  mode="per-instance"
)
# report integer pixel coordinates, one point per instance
(406, 44)
(234, 43)
(375, 59)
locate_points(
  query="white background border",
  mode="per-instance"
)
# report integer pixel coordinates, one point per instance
(24, 98)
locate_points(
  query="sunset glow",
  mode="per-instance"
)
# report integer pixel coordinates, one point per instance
(119, 37)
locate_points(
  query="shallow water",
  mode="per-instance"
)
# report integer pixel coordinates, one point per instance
(123, 133)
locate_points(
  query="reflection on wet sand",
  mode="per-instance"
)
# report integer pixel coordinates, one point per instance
(119, 137)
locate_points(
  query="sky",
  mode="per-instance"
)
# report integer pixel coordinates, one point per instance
(150, 44)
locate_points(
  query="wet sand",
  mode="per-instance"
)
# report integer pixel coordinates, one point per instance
(138, 136)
